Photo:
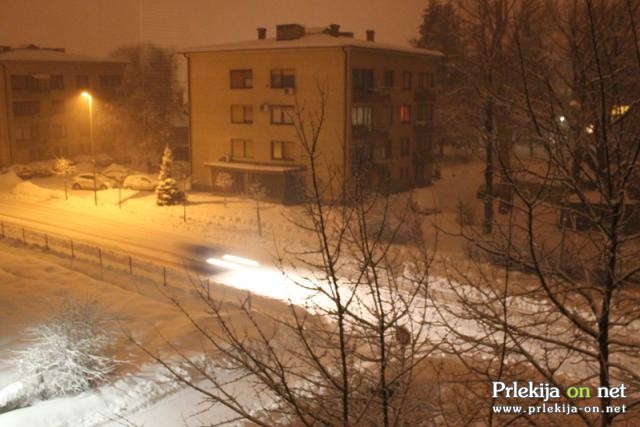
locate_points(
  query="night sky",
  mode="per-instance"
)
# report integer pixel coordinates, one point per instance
(99, 26)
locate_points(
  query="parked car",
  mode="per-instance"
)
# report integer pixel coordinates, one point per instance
(23, 171)
(140, 182)
(85, 181)
(116, 172)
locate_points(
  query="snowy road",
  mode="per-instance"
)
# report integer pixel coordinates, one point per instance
(125, 233)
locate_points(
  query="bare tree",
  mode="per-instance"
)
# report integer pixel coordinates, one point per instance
(347, 353)
(564, 310)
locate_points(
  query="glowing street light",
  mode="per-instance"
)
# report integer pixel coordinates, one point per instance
(86, 95)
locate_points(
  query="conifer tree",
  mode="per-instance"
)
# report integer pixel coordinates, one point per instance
(167, 191)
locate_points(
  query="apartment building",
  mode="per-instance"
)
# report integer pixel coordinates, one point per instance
(41, 112)
(378, 102)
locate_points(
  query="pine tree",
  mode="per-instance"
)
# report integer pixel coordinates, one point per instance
(167, 190)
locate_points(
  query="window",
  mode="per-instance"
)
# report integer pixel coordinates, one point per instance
(26, 108)
(387, 80)
(281, 115)
(362, 78)
(26, 82)
(405, 114)
(241, 149)
(57, 130)
(425, 81)
(382, 151)
(405, 146)
(362, 116)
(57, 81)
(423, 143)
(82, 81)
(19, 82)
(241, 114)
(241, 79)
(424, 113)
(406, 80)
(283, 79)
(57, 106)
(404, 174)
(281, 150)
(24, 133)
(109, 81)
(360, 153)
(384, 116)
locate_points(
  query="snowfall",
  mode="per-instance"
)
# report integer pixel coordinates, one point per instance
(34, 282)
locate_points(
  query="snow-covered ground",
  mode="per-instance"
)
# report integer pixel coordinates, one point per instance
(35, 284)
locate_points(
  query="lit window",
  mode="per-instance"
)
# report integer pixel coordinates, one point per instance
(619, 110)
(405, 114)
(362, 116)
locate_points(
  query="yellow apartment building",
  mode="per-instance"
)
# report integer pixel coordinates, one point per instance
(378, 102)
(41, 112)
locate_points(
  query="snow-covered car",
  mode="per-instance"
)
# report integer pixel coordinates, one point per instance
(116, 172)
(140, 182)
(103, 159)
(23, 171)
(85, 181)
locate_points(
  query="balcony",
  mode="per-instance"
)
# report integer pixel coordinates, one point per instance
(422, 126)
(424, 95)
(369, 95)
(361, 132)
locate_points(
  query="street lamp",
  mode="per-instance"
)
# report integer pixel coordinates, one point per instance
(86, 95)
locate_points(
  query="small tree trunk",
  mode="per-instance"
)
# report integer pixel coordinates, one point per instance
(488, 173)
(258, 217)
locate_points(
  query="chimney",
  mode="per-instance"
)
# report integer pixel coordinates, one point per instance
(262, 33)
(334, 30)
(371, 35)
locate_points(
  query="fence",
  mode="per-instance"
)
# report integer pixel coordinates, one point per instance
(110, 262)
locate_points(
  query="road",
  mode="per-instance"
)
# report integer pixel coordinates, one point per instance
(126, 234)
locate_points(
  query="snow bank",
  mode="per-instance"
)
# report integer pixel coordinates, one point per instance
(9, 180)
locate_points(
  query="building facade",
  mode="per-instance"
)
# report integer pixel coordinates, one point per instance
(42, 114)
(376, 103)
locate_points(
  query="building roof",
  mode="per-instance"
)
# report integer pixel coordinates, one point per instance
(317, 40)
(50, 55)
(254, 167)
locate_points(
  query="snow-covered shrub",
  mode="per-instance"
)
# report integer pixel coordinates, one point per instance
(63, 166)
(68, 354)
(167, 192)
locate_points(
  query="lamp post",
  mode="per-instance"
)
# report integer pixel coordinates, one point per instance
(86, 95)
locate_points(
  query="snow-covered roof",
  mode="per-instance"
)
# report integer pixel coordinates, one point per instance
(51, 55)
(313, 40)
(255, 167)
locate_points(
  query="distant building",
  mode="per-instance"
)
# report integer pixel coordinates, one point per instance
(378, 114)
(41, 112)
